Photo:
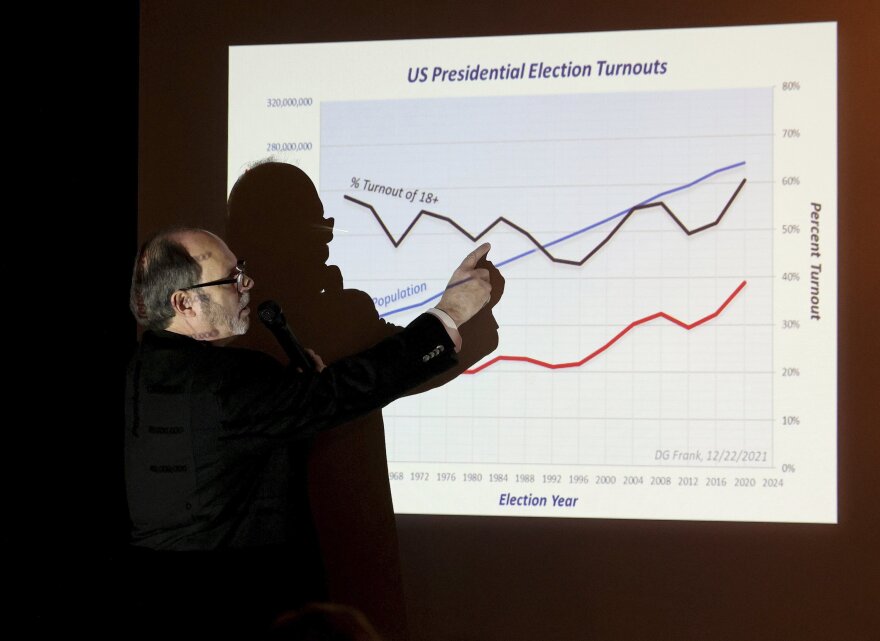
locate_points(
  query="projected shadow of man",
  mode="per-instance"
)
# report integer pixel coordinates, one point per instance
(276, 221)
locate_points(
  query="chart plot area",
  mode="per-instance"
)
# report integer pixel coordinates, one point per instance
(605, 212)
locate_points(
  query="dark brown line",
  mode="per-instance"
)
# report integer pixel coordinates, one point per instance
(502, 219)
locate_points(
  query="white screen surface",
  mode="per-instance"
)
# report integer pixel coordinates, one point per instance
(666, 207)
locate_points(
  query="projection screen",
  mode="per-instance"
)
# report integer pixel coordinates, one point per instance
(662, 205)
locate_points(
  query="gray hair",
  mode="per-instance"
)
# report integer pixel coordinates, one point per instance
(163, 266)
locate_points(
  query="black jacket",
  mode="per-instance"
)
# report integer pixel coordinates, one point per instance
(205, 464)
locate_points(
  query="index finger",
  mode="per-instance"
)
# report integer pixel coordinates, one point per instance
(473, 258)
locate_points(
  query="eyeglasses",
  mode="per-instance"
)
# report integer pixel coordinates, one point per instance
(241, 279)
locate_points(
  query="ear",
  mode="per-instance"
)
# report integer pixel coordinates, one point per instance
(182, 303)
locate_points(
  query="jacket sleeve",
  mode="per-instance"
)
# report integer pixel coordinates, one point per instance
(260, 399)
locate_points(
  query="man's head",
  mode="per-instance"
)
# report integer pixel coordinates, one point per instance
(187, 281)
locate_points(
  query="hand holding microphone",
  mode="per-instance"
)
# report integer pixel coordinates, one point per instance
(273, 318)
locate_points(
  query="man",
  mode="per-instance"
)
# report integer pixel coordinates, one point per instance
(206, 424)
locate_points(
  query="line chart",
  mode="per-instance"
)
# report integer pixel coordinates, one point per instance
(688, 234)
(669, 352)
(617, 337)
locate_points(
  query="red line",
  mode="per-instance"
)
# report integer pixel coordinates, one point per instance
(620, 334)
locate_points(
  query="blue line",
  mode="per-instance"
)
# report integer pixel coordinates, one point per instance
(413, 306)
(585, 229)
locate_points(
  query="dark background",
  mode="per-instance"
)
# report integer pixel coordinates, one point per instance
(138, 97)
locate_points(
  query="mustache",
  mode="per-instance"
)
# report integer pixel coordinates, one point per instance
(245, 299)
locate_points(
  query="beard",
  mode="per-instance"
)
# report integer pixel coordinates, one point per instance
(234, 324)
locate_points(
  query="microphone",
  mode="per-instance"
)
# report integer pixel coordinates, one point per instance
(273, 318)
